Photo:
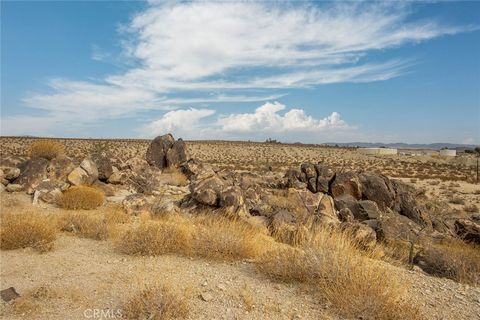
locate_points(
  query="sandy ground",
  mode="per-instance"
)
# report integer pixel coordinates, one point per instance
(83, 275)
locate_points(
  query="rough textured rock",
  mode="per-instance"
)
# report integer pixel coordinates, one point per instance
(468, 230)
(325, 176)
(13, 187)
(177, 154)
(48, 191)
(136, 203)
(85, 174)
(10, 173)
(378, 188)
(103, 164)
(207, 191)
(345, 215)
(59, 168)
(309, 176)
(346, 183)
(157, 150)
(406, 204)
(32, 172)
(392, 227)
(118, 177)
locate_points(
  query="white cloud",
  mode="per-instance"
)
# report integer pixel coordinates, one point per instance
(184, 50)
(266, 120)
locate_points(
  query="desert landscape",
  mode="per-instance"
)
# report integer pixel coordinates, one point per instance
(166, 229)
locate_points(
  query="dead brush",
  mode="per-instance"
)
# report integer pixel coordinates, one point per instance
(220, 238)
(453, 259)
(156, 303)
(157, 237)
(81, 197)
(27, 229)
(85, 224)
(46, 148)
(339, 273)
(174, 177)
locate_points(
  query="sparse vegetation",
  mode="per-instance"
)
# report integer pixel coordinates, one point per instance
(453, 259)
(26, 229)
(156, 303)
(355, 285)
(46, 148)
(156, 237)
(81, 197)
(85, 225)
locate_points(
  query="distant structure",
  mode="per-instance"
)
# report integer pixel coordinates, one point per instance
(448, 153)
(380, 151)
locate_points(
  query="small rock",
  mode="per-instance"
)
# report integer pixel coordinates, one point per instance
(9, 294)
(206, 296)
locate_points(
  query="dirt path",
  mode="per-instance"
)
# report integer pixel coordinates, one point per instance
(82, 275)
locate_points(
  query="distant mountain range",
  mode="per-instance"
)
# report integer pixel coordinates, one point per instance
(401, 145)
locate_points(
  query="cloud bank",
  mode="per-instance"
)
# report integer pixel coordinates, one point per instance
(268, 120)
(218, 52)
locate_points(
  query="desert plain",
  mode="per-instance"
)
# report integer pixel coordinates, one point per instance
(166, 229)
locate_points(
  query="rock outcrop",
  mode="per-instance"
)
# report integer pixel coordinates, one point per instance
(165, 152)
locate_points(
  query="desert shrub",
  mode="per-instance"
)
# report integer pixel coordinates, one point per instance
(292, 235)
(217, 237)
(339, 273)
(156, 303)
(85, 225)
(156, 237)
(453, 259)
(26, 229)
(173, 176)
(46, 148)
(81, 197)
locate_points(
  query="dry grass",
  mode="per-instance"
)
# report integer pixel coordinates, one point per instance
(356, 285)
(157, 237)
(81, 197)
(174, 177)
(27, 229)
(453, 259)
(220, 238)
(208, 236)
(46, 148)
(156, 303)
(90, 225)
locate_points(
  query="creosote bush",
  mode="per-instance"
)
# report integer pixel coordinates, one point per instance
(81, 197)
(156, 303)
(46, 148)
(26, 229)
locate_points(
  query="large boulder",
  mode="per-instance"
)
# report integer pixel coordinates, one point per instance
(309, 176)
(406, 205)
(207, 191)
(177, 154)
(59, 168)
(85, 174)
(49, 191)
(32, 172)
(104, 165)
(346, 184)
(9, 173)
(325, 176)
(378, 188)
(157, 150)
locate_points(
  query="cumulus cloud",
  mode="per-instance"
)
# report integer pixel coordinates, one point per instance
(270, 119)
(237, 49)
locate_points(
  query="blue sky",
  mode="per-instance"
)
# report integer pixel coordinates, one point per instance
(310, 72)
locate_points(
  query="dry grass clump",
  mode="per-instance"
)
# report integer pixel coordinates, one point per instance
(220, 238)
(156, 303)
(157, 237)
(85, 224)
(356, 285)
(174, 177)
(453, 259)
(26, 229)
(81, 197)
(46, 148)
